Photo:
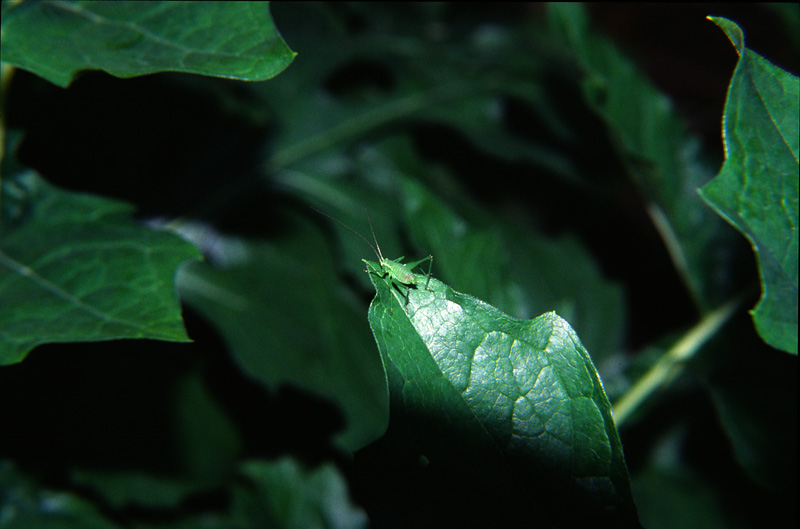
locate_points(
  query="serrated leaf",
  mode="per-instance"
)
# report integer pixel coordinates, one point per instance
(56, 40)
(76, 268)
(520, 397)
(757, 188)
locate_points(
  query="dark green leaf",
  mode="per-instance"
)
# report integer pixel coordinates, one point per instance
(516, 269)
(671, 494)
(285, 496)
(75, 267)
(757, 187)
(287, 321)
(462, 82)
(225, 39)
(209, 443)
(521, 397)
(23, 505)
(661, 158)
(760, 414)
(132, 489)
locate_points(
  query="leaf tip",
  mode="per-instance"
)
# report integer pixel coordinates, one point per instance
(732, 30)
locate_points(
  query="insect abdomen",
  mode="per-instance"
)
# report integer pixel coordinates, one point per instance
(399, 272)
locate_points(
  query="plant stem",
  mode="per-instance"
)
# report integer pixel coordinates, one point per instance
(672, 361)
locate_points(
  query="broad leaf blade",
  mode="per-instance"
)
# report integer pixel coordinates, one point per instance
(518, 271)
(55, 40)
(757, 187)
(504, 395)
(286, 321)
(76, 268)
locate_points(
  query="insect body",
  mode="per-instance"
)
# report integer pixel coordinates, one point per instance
(400, 274)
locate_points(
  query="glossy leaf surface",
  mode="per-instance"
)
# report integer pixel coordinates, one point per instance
(522, 396)
(56, 40)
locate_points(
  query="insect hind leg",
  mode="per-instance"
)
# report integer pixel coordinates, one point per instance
(430, 267)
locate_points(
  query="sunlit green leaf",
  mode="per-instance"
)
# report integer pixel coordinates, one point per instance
(519, 272)
(757, 187)
(521, 397)
(226, 39)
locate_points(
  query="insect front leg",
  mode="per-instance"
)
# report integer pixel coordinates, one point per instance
(399, 286)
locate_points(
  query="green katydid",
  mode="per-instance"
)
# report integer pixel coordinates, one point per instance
(400, 274)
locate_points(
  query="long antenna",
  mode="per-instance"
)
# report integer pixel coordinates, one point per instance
(380, 255)
(376, 248)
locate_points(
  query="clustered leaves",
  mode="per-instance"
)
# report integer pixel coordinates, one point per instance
(558, 189)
